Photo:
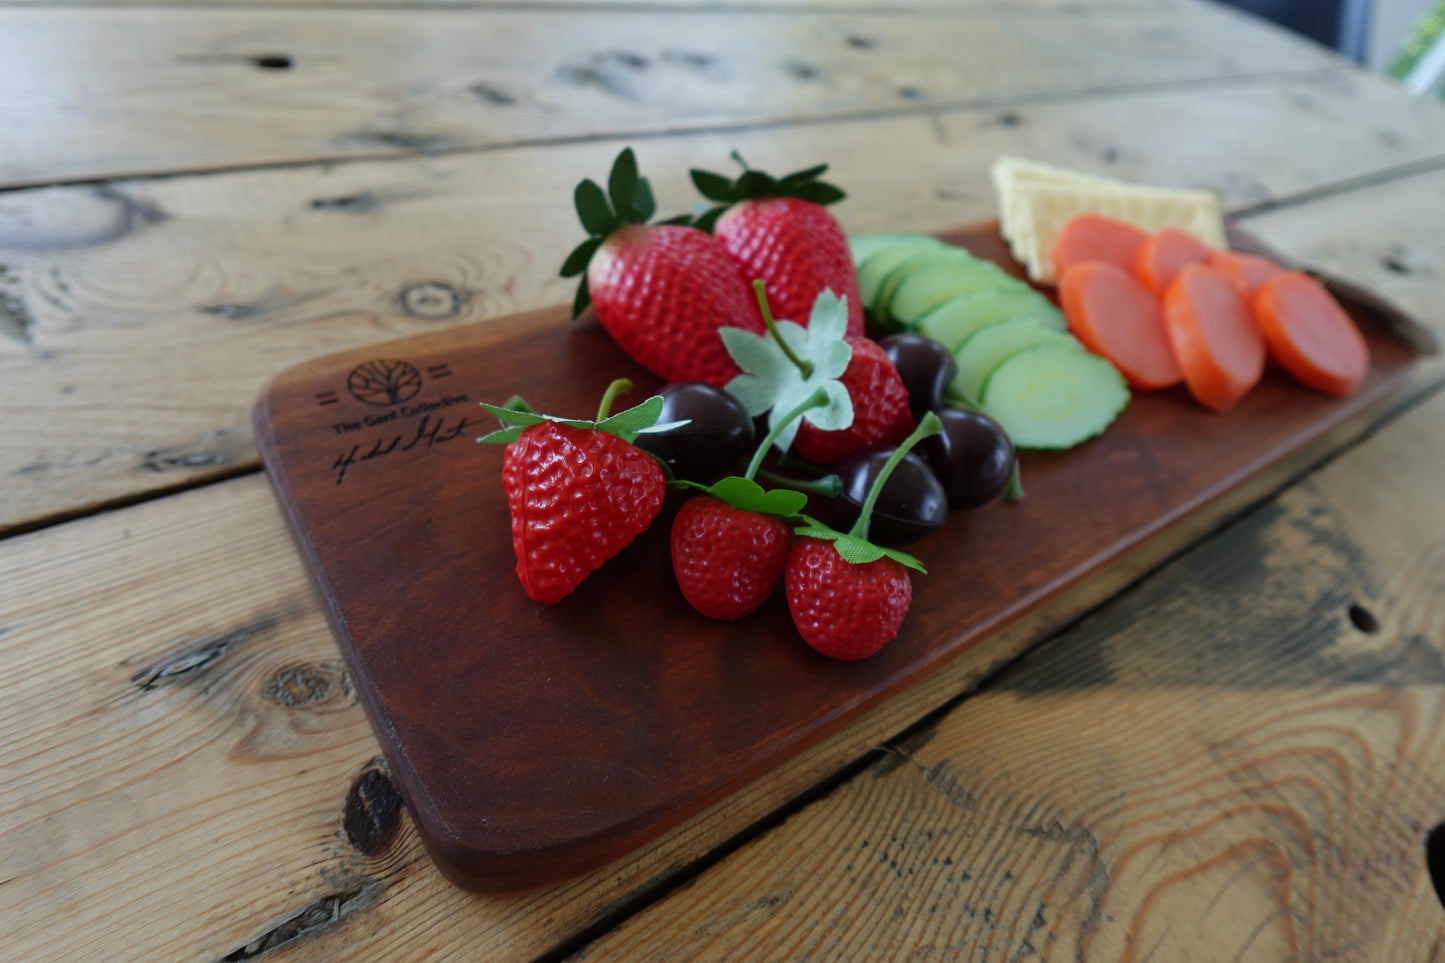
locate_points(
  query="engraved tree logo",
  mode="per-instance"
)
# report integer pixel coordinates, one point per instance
(384, 382)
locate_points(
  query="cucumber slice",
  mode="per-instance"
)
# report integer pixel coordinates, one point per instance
(982, 351)
(939, 258)
(863, 245)
(1054, 396)
(934, 282)
(957, 318)
(877, 265)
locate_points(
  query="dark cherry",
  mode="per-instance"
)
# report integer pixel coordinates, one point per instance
(717, 440)
(925, 366)
(973, 458)
(911, 505)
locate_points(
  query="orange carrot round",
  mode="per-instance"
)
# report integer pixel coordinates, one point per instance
(1165, 254)
(1245, 271)
(1310, 335)
(1114, 316)
(1093, 237)
(1215, 337)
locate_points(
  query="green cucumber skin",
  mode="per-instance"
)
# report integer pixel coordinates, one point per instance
(928, 286)
(875, 268)
(954, 320)
(899, 277)
(1074, 371)
(991, 345)
(861, 246)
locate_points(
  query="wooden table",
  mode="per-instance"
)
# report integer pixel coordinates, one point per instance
(1227, 747)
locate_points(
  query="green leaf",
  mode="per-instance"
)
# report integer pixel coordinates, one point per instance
(802, 177)
(747, 495)
(856, 551)
(707, 221)
(683, 220)
(576, 262)
(583, 299)
(597, 218)
(715, 187)
(626, 424)
(502, 436)
(819, 193)
(643, 205)
(623, 182)
(755, 184)
(511, 416)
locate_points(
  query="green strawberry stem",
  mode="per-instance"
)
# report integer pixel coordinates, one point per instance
(828, 486)
(817, 399)
(619, 387)
(930, 425)
(806, 367)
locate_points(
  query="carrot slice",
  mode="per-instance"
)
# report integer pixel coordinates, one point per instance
(1093, 237)
(1215, 337)
(1114, 316)
(1310, 335)
(1245, 271)
(1165, 254)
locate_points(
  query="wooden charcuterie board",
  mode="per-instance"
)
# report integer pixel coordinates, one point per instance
(534, 743)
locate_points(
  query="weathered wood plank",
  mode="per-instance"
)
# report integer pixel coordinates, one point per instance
(210, 744)
(106, 92)
(1236, 760)
(207, 743)
(254, 271)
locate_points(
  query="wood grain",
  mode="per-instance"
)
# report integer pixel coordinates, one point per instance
(252, 272)
(1221, 764)
(147, 91)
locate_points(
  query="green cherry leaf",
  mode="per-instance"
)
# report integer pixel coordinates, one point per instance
(626, 424)
(596, 217)
(854, 550)
(623, 182)
(747, 495)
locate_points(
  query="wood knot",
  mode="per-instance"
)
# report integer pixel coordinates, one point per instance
(431, 300)
(297, 686)
(372, 813)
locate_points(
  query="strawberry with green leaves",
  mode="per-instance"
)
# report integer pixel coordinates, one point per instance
(847, 596)
(662, 291)
(782, 367)
(579, 491)
(779, 231)
(730, 544)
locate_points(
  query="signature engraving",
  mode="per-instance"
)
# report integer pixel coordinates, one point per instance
(428, 434)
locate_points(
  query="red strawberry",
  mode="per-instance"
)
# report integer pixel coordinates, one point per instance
(880, 408)
(661, 291)
(842, 609)
(727, 560)
(848, 596)
(729, 545)
(579, 492)
(780, 232)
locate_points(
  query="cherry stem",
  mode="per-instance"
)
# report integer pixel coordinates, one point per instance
(828, 486)
(930, 425)
(619, 387)
(806, 367)
(817, 399)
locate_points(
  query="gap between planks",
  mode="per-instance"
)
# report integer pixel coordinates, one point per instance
(1414, 396)
(923, 110)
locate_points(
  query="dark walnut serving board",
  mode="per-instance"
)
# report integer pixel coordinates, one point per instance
(535, 743)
